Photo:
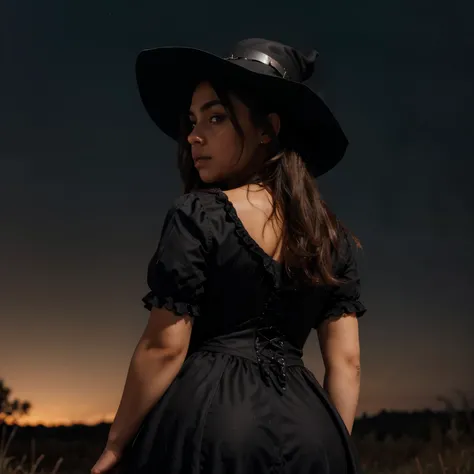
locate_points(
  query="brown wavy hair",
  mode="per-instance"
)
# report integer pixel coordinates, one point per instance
(311, 233)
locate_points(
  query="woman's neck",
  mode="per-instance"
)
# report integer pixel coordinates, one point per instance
(239, 182)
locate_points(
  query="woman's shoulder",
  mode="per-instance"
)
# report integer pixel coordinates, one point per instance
(206, 201)
(203, 210)
(215, 200)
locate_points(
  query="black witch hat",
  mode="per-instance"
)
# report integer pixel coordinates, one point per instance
(167, 77)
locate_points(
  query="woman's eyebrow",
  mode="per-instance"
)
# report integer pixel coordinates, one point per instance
(207, 105)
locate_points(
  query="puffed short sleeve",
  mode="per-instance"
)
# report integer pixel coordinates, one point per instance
(177, 272)
(345, 298)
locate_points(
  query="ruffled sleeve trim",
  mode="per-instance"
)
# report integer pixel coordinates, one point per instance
(345, 298)
(180, 308)
(346, 307)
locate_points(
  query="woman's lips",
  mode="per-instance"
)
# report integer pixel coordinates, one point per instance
(200, 159)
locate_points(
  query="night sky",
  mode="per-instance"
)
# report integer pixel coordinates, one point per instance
(86, 179)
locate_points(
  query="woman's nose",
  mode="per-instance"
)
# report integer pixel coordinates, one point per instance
(195, 138)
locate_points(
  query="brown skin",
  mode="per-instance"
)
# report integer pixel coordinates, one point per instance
(213, 136)
(162, 348)
(340, 349)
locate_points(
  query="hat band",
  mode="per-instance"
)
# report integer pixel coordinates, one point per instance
(252, 55)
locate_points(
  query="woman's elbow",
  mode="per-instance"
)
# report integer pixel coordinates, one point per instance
(353, 360)
(166, 352)
(349, 362)
(166, 334)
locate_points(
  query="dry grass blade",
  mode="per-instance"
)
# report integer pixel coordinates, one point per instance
(8, 465)
(32, 454)
(441, 463)
(57, 465)
(34, 466)
(418, 466)
(468, 410)
(4, 463)
(6, 444)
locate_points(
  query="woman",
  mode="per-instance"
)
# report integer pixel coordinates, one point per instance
(249, 261)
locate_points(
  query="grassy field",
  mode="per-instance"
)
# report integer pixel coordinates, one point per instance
(438, 443)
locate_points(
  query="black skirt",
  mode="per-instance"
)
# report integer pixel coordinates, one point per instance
(236, 410)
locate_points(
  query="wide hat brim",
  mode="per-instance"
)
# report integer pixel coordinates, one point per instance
(168, 76)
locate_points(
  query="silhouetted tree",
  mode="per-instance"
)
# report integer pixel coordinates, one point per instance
(11, 408)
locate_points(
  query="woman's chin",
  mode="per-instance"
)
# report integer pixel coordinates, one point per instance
(206, 176)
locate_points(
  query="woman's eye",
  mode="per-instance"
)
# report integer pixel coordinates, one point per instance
(214, 119)
(217, 118)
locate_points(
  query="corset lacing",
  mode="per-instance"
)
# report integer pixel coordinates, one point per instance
(270, 345)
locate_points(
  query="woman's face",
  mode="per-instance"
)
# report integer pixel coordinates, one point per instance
(217, 149)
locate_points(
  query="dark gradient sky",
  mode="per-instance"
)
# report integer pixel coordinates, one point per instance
(86, 178)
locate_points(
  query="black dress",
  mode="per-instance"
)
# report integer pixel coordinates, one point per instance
(243, 402)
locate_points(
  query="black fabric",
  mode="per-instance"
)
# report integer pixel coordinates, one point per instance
(177, 271)
(346, 297)
(243, 402)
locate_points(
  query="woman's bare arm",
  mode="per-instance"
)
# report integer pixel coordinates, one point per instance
(339, 343)
(155, 363)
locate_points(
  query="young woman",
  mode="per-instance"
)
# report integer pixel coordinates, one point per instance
(249, 261)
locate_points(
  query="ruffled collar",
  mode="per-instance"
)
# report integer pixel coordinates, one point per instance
(272, 267)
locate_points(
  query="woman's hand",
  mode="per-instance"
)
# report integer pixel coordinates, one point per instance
(107, 461)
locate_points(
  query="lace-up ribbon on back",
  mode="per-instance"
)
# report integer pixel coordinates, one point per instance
(265, 345)
(269, 347)
(271, 344)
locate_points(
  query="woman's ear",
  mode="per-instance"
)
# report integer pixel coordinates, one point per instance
(274, 120)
